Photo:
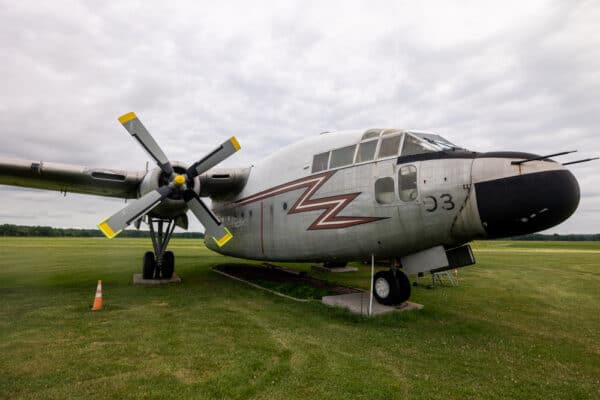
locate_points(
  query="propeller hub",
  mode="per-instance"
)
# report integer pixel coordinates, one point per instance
(179, 180)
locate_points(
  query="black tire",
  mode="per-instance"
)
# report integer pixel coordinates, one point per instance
(149, 265)
(168, 265)
(385, 288)
(404, 287)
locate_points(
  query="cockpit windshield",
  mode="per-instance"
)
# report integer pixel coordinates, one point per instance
(433, 138)
(379, 144)
(418, 143)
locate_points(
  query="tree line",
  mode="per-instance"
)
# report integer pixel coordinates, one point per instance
(48, 231)
(563, 238)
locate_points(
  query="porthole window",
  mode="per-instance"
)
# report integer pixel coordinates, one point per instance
(250, 213)
(407, 183)
(384, 190)
(284, 206)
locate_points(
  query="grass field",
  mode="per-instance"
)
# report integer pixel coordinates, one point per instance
(524, 323)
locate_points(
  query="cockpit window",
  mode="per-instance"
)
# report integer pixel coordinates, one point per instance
(343, 156)
(413, 145)
(389, 146)
(320, 162)
(370, 134)
(366, 151)
(433, 138)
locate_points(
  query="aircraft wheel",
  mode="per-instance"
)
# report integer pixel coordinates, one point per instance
(168, 265)
(149, 265)
(385, 287)
(403, 285)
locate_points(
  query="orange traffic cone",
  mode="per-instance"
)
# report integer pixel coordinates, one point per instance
(98, 299)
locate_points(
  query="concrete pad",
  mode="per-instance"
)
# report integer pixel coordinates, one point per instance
(321, 268)
(359, 303)
(139, 280)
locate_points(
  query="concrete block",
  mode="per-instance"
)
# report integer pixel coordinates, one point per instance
(139, 280)
(359, 303)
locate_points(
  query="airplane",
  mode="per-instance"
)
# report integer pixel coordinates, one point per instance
(409, 197)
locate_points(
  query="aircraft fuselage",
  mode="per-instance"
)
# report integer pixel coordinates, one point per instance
(388, 206)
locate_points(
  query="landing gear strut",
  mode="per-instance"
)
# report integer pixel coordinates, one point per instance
(159, 264)
(391, 287)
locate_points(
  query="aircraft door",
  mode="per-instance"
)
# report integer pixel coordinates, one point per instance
(444, 188)
(409, 203)
(384, 190)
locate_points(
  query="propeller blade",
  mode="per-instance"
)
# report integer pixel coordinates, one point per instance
(226, 149)
(112, 226)
(135, 127)
(214, 227)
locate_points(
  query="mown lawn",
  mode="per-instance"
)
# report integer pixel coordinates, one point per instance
(524, 323)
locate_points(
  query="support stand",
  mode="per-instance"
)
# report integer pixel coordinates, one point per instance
(160, 239)
(371, 291)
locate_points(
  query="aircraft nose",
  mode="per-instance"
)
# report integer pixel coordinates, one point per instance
(528, 203)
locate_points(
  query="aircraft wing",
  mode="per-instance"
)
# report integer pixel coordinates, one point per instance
(70, 178)
(216, 183)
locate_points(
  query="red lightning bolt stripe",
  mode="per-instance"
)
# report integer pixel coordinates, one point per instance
(332, 206)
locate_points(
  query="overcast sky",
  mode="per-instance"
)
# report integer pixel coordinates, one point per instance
(521, 76)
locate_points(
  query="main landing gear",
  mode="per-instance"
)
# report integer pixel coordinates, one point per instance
(159, 264)
(391, 287)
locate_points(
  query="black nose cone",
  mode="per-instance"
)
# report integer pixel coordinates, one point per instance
(528, 203)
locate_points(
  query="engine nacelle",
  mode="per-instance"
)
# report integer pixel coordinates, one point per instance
(173, 206)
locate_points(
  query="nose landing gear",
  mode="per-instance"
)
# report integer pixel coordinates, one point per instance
(159, 264)
(391, 287)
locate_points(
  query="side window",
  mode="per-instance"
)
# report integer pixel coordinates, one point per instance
(343, 156)
(384, 190)
(407, 183)
(320, 162)
(366, 151)
(389, 146)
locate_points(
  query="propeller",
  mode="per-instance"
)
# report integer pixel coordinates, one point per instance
(113, 225)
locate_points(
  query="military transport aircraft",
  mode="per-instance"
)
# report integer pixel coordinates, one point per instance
(409, 197)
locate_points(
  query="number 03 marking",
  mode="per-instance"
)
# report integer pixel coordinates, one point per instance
(445, 200)
(448, 204)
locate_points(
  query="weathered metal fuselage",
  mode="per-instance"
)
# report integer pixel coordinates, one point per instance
(286, 212)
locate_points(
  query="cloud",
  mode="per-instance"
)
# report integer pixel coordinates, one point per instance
(483, 75)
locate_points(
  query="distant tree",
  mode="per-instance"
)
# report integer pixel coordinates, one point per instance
(47, 231)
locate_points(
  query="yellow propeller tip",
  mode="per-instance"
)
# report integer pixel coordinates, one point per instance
(226, 238)
(235, 143)
(107, 230)
(127, 117)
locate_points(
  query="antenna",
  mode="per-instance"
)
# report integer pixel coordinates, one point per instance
(581, 161)
(540, 158)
